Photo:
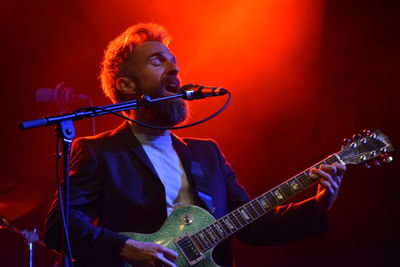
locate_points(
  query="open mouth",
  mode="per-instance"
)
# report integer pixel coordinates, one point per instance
(173, 85)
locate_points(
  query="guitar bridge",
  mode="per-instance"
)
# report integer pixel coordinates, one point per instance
(188, 249)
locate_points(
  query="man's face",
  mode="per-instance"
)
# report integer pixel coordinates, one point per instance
(154, 72)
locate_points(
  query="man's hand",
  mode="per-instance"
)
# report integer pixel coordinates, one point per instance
(329, 183)
(146, 254)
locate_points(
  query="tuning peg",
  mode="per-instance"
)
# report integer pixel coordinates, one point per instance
(366, 132)
(388, 159)
(356, 137)
(346, 141)
(373, 136)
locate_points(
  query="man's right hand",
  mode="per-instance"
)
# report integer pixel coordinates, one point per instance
(147, 254)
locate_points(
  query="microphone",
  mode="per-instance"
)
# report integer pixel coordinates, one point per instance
(63, 95)
(194, 91)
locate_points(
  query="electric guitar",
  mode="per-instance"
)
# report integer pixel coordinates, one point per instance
(193, 232)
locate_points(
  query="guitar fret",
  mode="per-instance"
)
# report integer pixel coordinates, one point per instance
(200, 242)
(295, 185)
(286, 190)
(229, 223)
(271, 199)
(204, 239)
(253, 209)
(305, 180)
(245, 213)
(257, 206)
(329, 160)
(332, 159)
(235, 220)
(203, 242)
(261, 204)
(250, 211)
(211, 232)
(197, 242)
(264, 203)
(221, 231)
(214, 233)
(278, 195)
(203, 234)
(217, 234)
(239, 218)
(208, 234)
(224, 226)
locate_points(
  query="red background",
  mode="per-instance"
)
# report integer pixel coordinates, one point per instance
(303, 75)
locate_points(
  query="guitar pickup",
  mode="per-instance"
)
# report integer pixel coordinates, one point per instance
(188, 249)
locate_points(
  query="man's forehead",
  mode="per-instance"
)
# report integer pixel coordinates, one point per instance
(146, 49)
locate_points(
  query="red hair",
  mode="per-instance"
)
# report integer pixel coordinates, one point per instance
(119, 50)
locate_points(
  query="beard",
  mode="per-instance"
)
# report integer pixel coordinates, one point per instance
(166, 113)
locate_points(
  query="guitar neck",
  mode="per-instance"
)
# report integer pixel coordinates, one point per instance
(226, 226)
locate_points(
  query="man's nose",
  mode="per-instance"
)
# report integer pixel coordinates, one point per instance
(172, 68)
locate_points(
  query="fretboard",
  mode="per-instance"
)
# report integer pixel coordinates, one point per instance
(229, 224)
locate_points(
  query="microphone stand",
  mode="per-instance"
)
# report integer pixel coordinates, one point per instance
(66, 131)
(31, 236)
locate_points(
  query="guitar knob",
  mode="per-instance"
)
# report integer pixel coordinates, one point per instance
(187, 219)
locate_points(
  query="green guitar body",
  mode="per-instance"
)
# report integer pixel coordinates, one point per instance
(187, 219)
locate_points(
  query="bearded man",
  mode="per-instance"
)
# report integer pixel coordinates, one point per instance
(131, 178)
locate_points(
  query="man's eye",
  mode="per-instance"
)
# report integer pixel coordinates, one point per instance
(155, 61)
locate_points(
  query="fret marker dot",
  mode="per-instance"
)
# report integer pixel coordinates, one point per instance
(245, 215)
(264, 203)
(278, 195)
(295, 186)
(229, 224)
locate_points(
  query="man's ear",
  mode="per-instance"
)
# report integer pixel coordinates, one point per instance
(125, 85)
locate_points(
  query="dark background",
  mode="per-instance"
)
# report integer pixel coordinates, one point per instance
(287, 112)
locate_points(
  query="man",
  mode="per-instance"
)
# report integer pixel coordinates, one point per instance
(129, 179)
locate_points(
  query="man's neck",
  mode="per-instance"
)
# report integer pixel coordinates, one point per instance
(147, 131)
(137, 115)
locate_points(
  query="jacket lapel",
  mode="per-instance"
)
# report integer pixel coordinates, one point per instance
(194, 173)
(193, 170)
(134, 145)
(185, 156)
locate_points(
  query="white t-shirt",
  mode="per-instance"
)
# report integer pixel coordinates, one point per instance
(169, 169)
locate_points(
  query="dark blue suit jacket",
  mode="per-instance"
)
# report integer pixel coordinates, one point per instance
(115, 188)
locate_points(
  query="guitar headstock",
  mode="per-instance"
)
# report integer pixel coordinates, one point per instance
(371, 145)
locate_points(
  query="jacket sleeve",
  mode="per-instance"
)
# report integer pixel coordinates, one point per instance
(87, 240)
(283, 224)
